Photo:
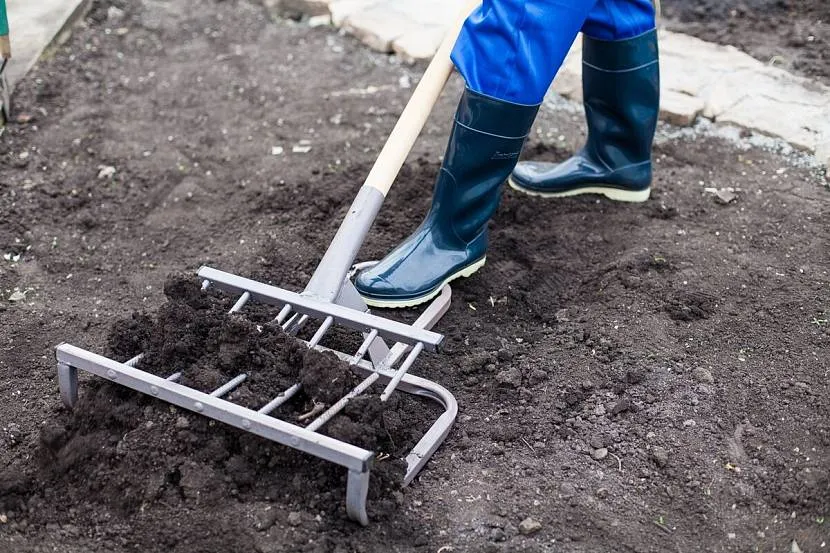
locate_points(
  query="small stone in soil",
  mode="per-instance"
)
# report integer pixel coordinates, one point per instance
(529, 526)
(567, 490)
(266, 519)
(702, 375)
(294, 518)
(600, 454)
(497, 535)
(511, 377)
(596, 442)
(17, 296)
(660, 455)
(622, 405)
(15, 433)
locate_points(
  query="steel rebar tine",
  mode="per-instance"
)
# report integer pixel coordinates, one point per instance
(240, 303)
(229, 385)
(364, 347)
(410, 359)
(205, 285)
(134, 361)
(174, 377)
(286, 310)
(280, 399)
(290, 321)
(337, 407)
(292, 326)
(321, 331)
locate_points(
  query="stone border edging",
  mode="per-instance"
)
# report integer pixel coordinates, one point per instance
(34, 25)
(698, 78)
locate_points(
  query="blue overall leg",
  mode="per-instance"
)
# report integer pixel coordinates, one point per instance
(621, 93)
(508, 52)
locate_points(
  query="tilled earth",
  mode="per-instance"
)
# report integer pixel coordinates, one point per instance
(633, 378)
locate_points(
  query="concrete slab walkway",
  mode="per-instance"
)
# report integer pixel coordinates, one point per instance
(698, 78)
(34, 25)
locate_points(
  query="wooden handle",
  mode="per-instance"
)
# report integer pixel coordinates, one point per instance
(417, 110)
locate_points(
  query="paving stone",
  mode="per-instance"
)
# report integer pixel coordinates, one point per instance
(35, 25)
(341, 9)
(680, 109)
(312, 8)
(568, 81)
(419, 45)
(442, 13)
(379, 26)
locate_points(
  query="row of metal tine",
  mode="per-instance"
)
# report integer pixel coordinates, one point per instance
(292, 325)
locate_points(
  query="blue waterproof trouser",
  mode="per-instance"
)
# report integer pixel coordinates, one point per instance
(512, 49)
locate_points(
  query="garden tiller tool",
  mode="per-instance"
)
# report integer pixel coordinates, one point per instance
(388, 350)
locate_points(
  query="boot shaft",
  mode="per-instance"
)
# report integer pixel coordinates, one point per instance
(621, 91)
(484, 146)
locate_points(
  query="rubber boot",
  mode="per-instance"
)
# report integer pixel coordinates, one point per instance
(621, 89)
(485, 143)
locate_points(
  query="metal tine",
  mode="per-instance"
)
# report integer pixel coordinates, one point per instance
(240, 303)
(174, 377)
(410, 359)
(321, 331)
(228, 386)
(359, 389)
(134, 361)
(364, 347)
(286, 310)
(317, 423)
(292, 326)
(280, 399)
(205, 285)
(337, 407)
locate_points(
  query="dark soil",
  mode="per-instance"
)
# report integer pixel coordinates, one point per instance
(793, 34)
(634, 378)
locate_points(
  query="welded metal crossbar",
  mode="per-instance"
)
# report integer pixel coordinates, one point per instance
(410, 340)
(357, 320)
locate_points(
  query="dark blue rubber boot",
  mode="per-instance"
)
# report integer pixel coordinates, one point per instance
(486, 140)
(621, 89)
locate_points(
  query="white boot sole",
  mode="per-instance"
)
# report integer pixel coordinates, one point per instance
(412, 302)
(616, 194)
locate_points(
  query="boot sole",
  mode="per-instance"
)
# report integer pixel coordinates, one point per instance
(632, 196)
(412, 302)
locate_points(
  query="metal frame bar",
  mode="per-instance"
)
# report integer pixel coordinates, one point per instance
(358, 461)
(341, 453)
